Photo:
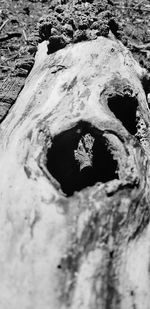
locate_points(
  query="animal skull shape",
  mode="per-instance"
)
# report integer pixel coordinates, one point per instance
(74, 155)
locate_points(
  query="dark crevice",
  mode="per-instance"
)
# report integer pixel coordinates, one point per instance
(80, 157)
(125, 108)
(146, 84)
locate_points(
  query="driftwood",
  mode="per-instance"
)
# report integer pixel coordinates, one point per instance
(74, 188)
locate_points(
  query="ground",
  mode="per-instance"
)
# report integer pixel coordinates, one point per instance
(21, 28)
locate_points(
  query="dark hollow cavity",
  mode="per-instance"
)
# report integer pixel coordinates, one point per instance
(65, 167)
(125, 108)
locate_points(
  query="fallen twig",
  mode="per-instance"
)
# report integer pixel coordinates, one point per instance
(133, 8)
(10, 35)
(24, 34)
(5, 66)
(4, 81)
(4, 23)
(137, 4)
(141, 46)
(11, 58)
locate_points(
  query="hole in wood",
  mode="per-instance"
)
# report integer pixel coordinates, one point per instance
(125, 108)
(79, 158)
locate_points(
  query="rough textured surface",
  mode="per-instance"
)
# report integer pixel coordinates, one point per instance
(18, 45)
(84, 251)
(75, 21)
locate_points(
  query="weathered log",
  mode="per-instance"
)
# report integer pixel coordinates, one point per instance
(74, 214)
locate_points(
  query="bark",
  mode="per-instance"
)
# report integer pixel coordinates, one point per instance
(74, 216)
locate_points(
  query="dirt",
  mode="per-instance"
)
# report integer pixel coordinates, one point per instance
(25, 23)
(18, 44)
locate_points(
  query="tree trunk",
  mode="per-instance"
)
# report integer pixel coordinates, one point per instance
(74, 188)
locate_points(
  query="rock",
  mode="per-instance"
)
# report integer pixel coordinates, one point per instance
(26, 9)
(79, 35)
(56, 42)
(68, 30)
(74, 20)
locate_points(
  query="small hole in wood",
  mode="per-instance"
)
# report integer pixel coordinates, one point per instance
(125, 108)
